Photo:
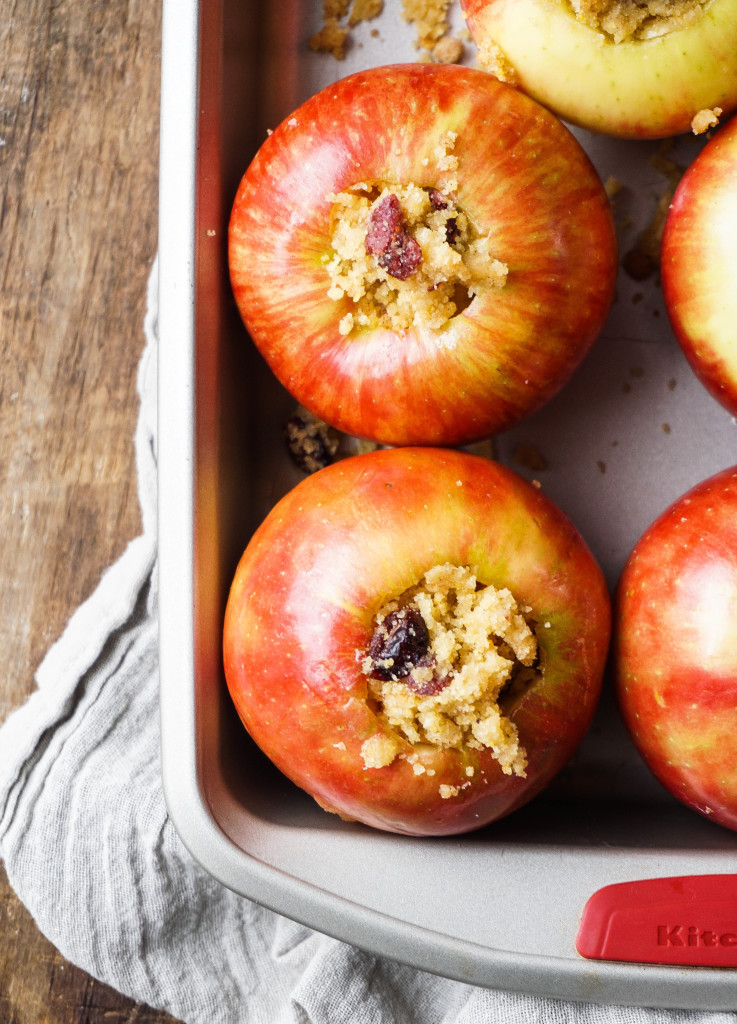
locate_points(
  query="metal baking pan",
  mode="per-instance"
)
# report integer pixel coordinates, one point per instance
(500, 907)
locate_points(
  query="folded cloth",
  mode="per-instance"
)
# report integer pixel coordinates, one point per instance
(90, 850)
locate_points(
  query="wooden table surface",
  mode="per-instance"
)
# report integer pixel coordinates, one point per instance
(79, 109)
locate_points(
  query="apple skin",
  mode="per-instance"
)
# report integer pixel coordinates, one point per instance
(638, 89)
(698, 257)
(328, 557)
(676, 648)
(522, 178)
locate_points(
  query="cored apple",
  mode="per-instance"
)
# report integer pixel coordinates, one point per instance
(619, 68)
(698, 257)
(416, 637)
(676, 648)
(422, 254)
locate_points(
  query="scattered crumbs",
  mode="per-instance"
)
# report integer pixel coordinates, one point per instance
(211, 232)
(339, 746)
(430, 20)
(536, 484)
(602, 465)
(446, 792)
(448, 50)
(705, 119)
(672, 384)
(364, 10)
(638, 263)
(644, 258)
(530, 456)
(470, 771)
(311, 443)
(612, 186)
(459, 483)
(418, 769)
(546, 625)
(666, 428)
(292, 122)
(333, 37)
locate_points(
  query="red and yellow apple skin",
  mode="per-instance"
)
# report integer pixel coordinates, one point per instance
(522, 178)
(331, 553)
(649, 88)
(698, 260)
(676, 648)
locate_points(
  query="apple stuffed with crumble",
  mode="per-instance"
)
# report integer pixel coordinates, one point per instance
(416, 637)
(635, 70)
(422, 254)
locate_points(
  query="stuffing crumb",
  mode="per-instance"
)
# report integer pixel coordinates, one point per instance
(364, 10)
(446, 792)
(330, 39)
(379, 750)
(705, 119)
(492, 59)
(448, 50)
(311, 443)
(643, 259)
(429, 18)
(333, 36)
(621, 20)
(439, 659)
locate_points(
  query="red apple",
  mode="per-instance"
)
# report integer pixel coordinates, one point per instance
(525, 187)
(646, 86)
(676, 648)
(302, 615)
(699, 254)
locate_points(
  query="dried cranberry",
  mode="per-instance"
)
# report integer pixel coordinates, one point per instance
(438, 200)
(402, 259)
(427, 687)
(396, 251)
(452, 232)
(385, 223)
(400, 643)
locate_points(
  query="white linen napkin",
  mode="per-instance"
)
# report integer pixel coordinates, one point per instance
(90, 850)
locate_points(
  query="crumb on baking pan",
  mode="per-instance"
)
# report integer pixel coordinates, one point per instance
(643, 259)
(429, 19)
(407, 256)
(334, 34)
(621, 20)
(440, 660)
(311, 443)
(705, 119)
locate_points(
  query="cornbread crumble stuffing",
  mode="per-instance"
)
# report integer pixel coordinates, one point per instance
(492, 59)
(333, 36)
(440, 658)
(705, 119)
(622, 20)
(405, 255)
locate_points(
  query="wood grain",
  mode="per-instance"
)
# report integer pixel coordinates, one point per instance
(79, 108)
